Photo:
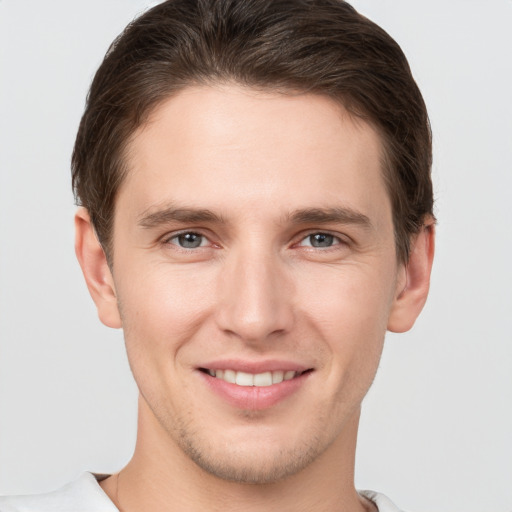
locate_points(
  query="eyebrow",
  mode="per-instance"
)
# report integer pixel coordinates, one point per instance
(170, 214)
(151, 219)
(330, 215)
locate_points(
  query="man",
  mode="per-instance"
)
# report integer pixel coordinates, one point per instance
(256, 212)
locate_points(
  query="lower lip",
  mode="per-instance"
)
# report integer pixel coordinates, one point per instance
(254, 397)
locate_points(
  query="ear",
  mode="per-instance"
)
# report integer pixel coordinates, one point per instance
(414, 281)
(96, 271)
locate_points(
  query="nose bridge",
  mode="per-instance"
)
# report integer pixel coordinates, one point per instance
(255, 298)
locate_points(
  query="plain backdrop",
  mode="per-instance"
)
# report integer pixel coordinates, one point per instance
(436, 429)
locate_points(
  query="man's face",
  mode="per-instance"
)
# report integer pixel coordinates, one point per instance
(253, 244)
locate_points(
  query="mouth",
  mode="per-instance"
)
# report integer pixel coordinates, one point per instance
(255, 385)
(263, 379)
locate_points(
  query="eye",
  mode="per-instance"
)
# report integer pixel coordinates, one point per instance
(320, 240)
(189, 240)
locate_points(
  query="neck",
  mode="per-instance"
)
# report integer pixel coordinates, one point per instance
(161, 478)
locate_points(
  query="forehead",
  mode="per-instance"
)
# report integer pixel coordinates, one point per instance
(229, 145)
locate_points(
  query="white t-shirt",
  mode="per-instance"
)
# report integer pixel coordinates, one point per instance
(86, 495)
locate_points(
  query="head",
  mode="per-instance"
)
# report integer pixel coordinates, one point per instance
(257, 174)
(319, 47)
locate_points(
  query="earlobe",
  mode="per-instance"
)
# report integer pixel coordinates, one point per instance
(414, 283)
(96, 271)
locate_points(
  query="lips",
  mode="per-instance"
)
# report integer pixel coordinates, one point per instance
(254, 386)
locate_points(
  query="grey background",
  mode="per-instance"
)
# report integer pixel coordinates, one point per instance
(436, 426)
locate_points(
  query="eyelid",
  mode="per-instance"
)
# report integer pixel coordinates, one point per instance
(168, 237)
(339, 237)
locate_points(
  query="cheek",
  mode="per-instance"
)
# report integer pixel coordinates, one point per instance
(347, 296)
(350, 310)
(162, 307)
(162, 310)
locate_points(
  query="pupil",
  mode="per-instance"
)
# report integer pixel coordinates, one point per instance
(190, 240)
(321, 240)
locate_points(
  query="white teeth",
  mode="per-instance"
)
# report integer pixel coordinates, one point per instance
(250, 379)
(289, 375)
(244, 379)
(229, 376)
(263, 379)
(277, 377)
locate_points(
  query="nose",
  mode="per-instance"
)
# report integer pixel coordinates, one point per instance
(255, 297)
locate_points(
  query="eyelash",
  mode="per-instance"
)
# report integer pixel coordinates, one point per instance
(336, 240)
(176, 236)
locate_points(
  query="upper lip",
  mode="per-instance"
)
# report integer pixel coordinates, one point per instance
(254, 367)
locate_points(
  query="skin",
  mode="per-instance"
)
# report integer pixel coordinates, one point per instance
(274, 172)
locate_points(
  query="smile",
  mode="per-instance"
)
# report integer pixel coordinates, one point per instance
(258, 386)
(253, 379)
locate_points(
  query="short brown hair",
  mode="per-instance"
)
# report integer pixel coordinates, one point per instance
(316, 46)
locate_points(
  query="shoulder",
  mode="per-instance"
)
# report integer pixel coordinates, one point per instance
(383, 503)
(82, 495)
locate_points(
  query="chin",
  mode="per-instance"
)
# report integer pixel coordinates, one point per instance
(252, 468)
(260, 461)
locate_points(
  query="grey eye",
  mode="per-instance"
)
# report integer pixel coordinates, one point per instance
(321, 240)
(189, 240)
